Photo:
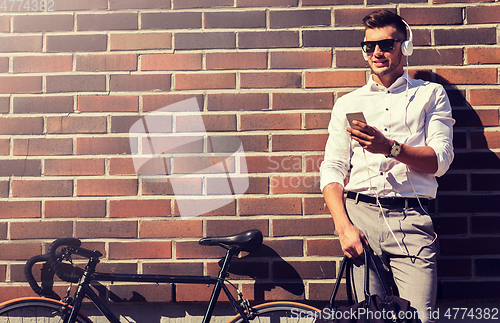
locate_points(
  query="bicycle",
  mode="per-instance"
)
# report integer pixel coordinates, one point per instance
(46, 308)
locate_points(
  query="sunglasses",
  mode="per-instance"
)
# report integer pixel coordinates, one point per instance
(385, 45)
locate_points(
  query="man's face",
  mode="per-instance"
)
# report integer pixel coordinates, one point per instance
(385, 63)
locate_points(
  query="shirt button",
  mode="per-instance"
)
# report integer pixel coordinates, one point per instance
(381, 174)
(385, 129)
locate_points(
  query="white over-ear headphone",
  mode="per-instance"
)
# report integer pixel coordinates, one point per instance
(406, 46)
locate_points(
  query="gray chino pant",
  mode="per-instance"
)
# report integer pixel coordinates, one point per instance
(411, 265)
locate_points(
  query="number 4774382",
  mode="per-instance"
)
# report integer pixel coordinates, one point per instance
(27, 5)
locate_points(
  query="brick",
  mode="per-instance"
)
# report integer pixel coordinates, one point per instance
(154, 102)
(267, 3)
(468, 75)
(256, 185)
(316, 120)
(198, 293)
(115, 62)
(171, 62)
(76, 83)
(467, 290)
(141, 208)
(235, 19)
(242, 269)
(121, 166)
(454, 268)
(4, 192)
(171, 20)
(75, 209)
(76, 125)
(284, 270)
(108, 21)
(432, 16)
(332, 38)
(210, 122)
(309, 142)
(20, 209)
(20, 251)
(450, 225)
(214, 40)
(475, 160)
(281, 248)
(141, 293)
(322, 291)
(267, 121)
(4, 64)
(315, 205)
(74, 167)
(205, 81)
(268, 39)
(144, 4)
(106, 187)
(45, 23)
(42, 147)
(192, 207)
(108, 103)
(271, 80)
(40, 64)
(483, 14)
(192, 250)
(160, 40)
(304, 184)
(485, 140)
(72, 5)
(270, 206)
(485, 267)
(465, 36)
(23, 167)
(20, 84)
(304, 59)
(299, 18)
(484, 96)
(123, 124)
(4, 147)
(335, 79)
(324, 248)
(13, 292)
(350, 59)
(350, 17)
(170, 229)
(303, 227)
(76, 43)
(184, 186)
(484, 224)
(468, 247)
(429, 56)
(42, 188)
(150, 82)
(452, 182)
(21, 126)
(41, 230)
(5, 24)
(484, 182)
(237, 101)
(236, 60)
(282, 101)
(272, 291)
(274, 164)
(105, 229)
(329, 2)
(195, 144)
(40, 104)
(140, 250)
(20, 43)
(468, 203)
(482, 55)
(190, 4)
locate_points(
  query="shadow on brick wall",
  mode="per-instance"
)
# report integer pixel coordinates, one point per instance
(466, 211)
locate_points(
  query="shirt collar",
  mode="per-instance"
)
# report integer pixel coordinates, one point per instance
(401, 81)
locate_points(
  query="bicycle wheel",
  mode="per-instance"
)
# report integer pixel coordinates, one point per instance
(36, 310)
(281, 312)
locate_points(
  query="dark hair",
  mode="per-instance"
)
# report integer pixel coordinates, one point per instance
(383, 18)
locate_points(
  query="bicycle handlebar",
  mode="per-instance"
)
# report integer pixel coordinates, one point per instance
(28, 272)
(53, 257)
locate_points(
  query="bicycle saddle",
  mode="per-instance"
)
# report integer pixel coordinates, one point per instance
(247, 241)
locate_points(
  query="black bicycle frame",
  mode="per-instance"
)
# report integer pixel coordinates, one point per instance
(84, 288)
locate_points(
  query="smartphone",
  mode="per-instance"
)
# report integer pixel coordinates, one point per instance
(355, 116)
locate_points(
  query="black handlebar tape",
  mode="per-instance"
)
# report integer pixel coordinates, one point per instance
(29, 274)
(53, 258)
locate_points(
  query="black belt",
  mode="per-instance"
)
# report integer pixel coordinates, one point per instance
(389, 201)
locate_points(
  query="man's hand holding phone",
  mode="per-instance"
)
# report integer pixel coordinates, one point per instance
(370, 138)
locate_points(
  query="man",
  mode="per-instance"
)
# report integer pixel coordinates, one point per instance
(394, 159)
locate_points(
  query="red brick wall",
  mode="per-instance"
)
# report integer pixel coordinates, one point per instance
(73, 81)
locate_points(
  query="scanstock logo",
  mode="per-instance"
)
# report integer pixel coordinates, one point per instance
(205, 172)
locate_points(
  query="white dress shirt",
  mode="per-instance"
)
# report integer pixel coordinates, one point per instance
(412, 112)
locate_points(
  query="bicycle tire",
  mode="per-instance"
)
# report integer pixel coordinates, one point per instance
(36, 310)
(281, 312)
